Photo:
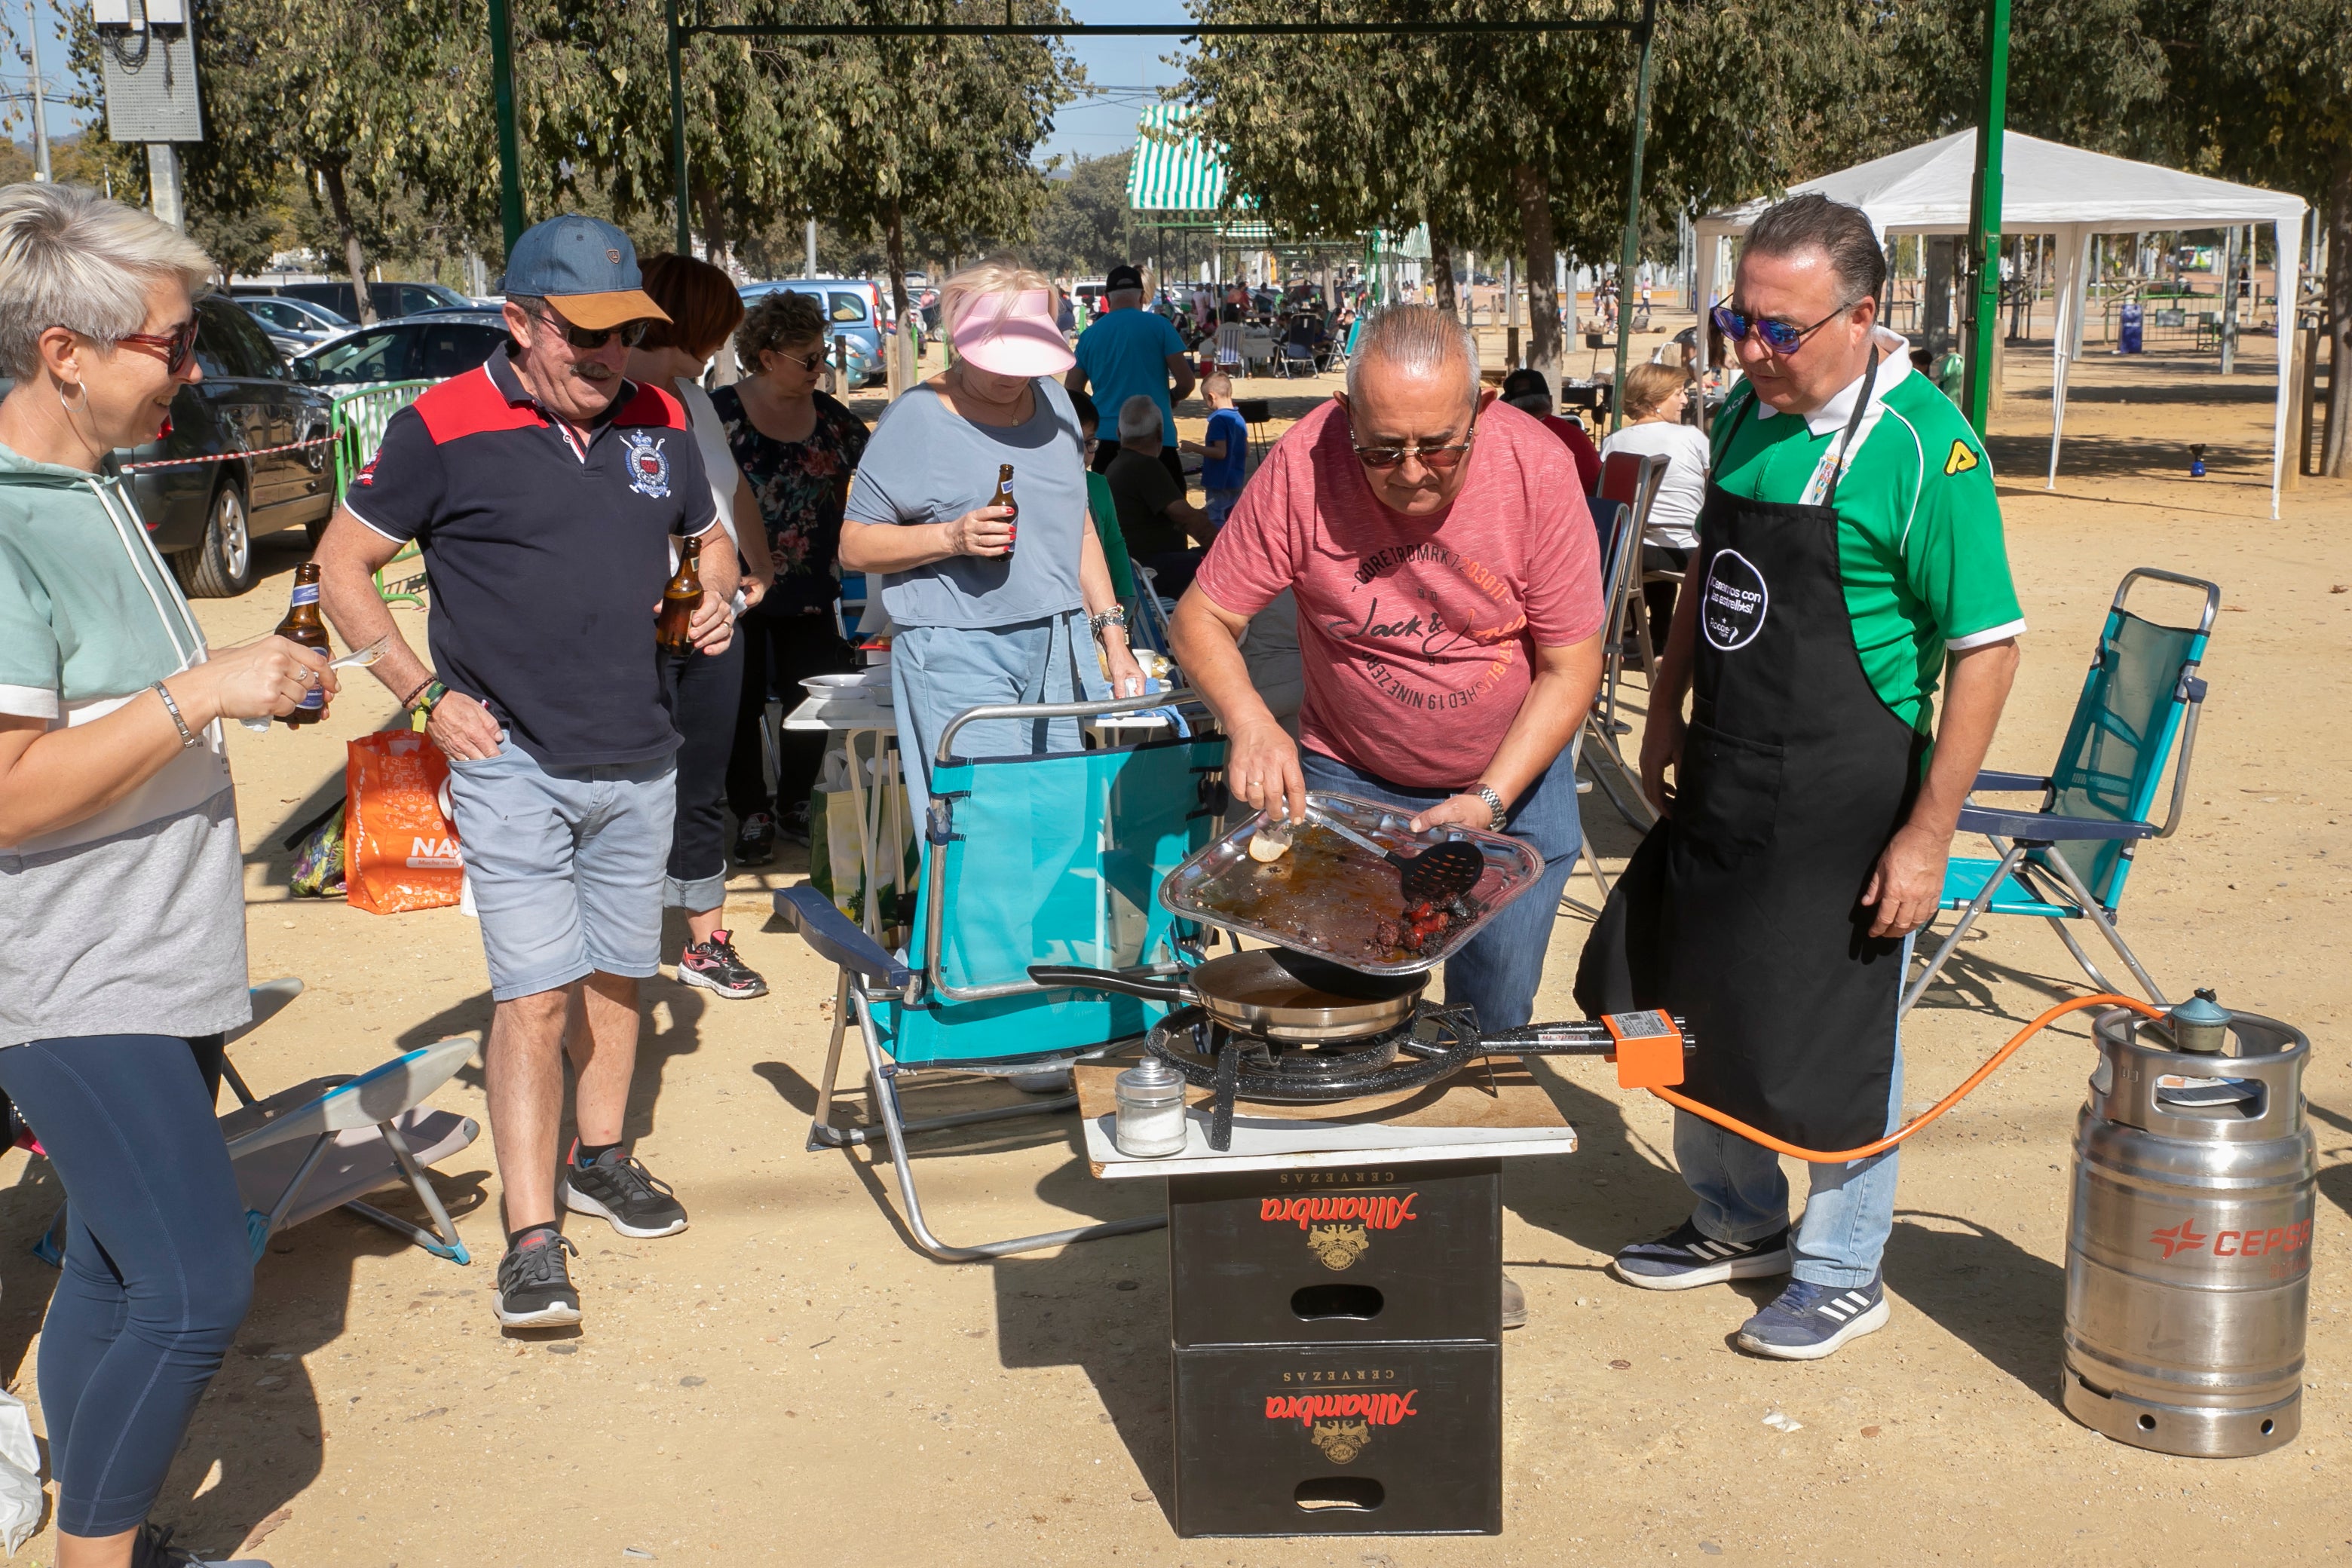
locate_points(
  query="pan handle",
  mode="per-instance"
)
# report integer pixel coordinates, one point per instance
(1054, 976)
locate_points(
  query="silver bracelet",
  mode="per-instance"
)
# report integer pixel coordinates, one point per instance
(187, 737)
(1114, 616)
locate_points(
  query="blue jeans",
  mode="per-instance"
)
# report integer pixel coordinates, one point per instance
(568, 865)
(938, 672)
(158, 1272)
(1744, 1197)
(1497, 973)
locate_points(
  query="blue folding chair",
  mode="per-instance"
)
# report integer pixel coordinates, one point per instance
(2069, 860)
(1052, 859)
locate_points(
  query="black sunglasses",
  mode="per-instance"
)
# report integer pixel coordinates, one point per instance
(812, 362)
(1781, 337)
(631, 333)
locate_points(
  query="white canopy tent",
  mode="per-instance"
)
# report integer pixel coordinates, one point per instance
(2047, 188)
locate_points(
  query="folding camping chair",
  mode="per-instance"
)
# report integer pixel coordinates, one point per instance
(1619, 529)
(1634, 479)
(1051, 858)
(363, 1132)
(2069, 860)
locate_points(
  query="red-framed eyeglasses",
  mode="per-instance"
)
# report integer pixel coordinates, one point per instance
(176, 347)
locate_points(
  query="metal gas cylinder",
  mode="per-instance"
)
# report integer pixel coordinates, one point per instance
(2189, 1240)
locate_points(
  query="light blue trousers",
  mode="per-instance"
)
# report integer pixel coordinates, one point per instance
(938, 672)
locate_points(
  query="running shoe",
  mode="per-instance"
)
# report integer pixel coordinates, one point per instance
(534, 1285)
(625, 1192)
(152, 1548)
(714, 966)
(1515, 1304)
(1684, 1257)
(794, 824)
(1808, 1322)
(755, 842)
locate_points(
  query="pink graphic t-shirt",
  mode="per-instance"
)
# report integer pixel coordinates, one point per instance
(1416, 635)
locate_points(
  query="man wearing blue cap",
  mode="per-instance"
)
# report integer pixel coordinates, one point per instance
(545, 490)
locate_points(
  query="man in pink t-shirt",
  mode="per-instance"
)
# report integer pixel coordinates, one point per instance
(1447, 577)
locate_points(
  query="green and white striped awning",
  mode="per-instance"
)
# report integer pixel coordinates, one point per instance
(1174, 170)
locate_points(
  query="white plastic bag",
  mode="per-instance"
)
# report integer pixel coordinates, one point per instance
(20, 1475)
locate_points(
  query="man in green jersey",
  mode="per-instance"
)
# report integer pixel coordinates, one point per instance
(1850, 558)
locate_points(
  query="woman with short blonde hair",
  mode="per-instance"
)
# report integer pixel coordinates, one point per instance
(1656, 395)
(121, 887)
(978, 622)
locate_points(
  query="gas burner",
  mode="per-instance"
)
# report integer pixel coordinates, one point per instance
(1431, 1043)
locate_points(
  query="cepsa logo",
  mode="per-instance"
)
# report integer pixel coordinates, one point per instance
(1341, 1424)
(2186, 1238)
(1336, 1227)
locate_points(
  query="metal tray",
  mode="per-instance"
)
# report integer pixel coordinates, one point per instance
(1222, 885)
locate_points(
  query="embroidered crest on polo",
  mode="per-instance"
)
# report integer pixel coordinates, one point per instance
(1733, 606)
(649, 463)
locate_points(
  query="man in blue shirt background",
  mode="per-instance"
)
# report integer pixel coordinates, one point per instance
(1130, 351)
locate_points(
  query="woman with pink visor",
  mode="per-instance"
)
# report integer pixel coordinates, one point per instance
(987, 609)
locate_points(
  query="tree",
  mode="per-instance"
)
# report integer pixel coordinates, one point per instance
(1086, 225)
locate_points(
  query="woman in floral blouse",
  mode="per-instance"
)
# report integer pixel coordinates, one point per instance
(797, 447)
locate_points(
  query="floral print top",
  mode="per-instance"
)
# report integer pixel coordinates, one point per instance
(799, 485)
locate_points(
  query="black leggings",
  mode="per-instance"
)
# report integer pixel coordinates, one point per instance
(702, 689)
(158, 1269)
(779, 653)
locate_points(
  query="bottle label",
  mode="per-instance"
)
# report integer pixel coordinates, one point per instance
(305, 594)
(313, 701)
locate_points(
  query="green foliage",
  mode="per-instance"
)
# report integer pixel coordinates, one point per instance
(1087, 226)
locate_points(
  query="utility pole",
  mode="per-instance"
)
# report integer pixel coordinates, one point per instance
(502, 97)
(810, 270)
(677, 128)
(164, 185)
(1631, 257)
(1984, 220)
(40, 97)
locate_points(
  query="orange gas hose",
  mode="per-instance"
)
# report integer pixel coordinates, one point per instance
(1815, 1156)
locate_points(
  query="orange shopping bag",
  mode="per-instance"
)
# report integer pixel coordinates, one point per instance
(399, 850)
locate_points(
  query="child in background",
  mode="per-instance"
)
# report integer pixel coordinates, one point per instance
(1224, 452)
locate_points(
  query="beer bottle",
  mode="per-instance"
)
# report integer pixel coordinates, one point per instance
(674, 633)
(1005, 498)
(301, 625)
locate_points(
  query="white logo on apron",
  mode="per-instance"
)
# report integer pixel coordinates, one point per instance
(1732, 604)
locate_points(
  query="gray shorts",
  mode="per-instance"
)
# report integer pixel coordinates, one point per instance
(567, 866)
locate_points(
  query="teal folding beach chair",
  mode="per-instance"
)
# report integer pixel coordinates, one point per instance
(2069, 860)
(1026, 860)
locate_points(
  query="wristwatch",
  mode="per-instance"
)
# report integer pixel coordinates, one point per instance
(1114, 616)
(1501, 813)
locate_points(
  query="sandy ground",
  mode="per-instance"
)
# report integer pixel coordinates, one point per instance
(770, 1385)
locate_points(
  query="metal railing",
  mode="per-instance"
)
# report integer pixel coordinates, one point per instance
(358, 420)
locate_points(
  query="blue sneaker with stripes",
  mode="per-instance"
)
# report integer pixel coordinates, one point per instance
(1686, 1257)
(1808, 1322)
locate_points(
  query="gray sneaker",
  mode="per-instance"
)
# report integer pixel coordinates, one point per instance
(627, 1195)
(1808, 1322)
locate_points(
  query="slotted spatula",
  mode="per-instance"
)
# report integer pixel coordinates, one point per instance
(1437, 875)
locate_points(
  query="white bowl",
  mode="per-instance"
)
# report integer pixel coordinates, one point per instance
(840, 690)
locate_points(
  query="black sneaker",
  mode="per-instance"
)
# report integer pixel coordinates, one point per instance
(714, 966)
(795, 823)
(152, 1548)
(1686, 1257)
(534, 1287)
(625, 1192)
(755, 842)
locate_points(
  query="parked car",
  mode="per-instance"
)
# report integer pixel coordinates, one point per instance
(419, 348)
(295, 326)
(390, 299)
(853, 306)
(204, 517)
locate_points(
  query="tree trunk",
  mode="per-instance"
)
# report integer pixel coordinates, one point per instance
(894, 236)
(1441, 269)
(339, 203)
(2334, 460)
(1547, 350)
(715, 242)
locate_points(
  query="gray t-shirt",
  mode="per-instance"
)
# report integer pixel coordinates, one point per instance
(927, 463)
(132, 919)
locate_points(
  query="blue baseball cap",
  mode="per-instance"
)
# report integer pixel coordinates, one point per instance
(583, 267)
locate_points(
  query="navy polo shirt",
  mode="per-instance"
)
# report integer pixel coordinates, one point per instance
(546, 557)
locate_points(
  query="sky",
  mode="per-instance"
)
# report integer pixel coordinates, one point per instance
(62, 117)
(1092, 128)
(1088, 127)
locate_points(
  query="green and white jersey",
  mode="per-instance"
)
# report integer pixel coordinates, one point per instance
(1920, 541)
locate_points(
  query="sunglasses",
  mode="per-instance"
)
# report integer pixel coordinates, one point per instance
(1781, 337)
(1437, 459)
(631, 333)
(176, 347)
(812, 362)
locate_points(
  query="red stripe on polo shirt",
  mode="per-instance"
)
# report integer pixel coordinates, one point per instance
(652, 406)
(470, 405)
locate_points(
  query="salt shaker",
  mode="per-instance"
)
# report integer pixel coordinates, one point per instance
(1150, 1124)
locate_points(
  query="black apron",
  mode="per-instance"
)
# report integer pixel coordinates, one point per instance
(1742, 912)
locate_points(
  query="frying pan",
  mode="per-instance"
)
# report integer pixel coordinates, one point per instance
(1272, 993)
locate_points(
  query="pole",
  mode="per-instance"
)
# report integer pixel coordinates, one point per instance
(677, 127)
(503, 96)
(1984, 218)
(164, 183)
(809, 270)
(1631, 257)
(40, 97)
